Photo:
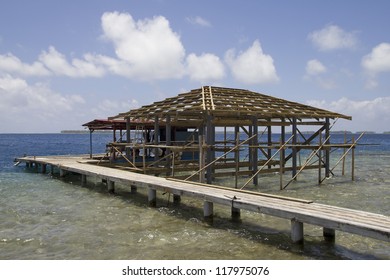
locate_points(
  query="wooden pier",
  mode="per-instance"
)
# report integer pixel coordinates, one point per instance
(298, 211)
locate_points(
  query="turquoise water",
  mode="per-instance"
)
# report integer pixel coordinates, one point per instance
(45, 217)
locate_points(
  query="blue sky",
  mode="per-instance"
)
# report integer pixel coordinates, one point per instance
(63, 63)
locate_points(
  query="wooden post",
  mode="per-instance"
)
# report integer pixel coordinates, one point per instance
(269, 141)
(128, 137)
(329, 234)
(255, 157)
(237, 154)
(283, 139)
(133, 189)
(236, 214)
(176, 199)
(327, 150)
(110, 186)
(210, 141)
(156, 136)
(296, 231)
(168, 134)
(62, 173)
(319, 159)
(43, 170)
(294, 148)
(90, 143)
(281, 164)
(83, 180)
(353, 159)
(208, 211)
(202, 157)
(345, 142)
(152, 197)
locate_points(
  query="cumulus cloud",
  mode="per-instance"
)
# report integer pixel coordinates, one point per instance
(51, 62)
(377, 61)
(150, 47)
(206, 67)
(18, 95)
(33, 105)
(198, 21)
(332, 37)
(314, 67)
(371, 115)
(57, 63)
(252, 66)
(314, 72)
(12, 64)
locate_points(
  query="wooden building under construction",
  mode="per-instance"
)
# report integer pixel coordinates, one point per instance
(214, 131)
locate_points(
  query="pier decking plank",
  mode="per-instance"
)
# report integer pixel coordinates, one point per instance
(330, 217)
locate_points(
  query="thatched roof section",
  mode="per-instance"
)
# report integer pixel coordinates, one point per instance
(228, 103)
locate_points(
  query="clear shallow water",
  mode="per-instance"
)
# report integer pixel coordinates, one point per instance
(42, 217)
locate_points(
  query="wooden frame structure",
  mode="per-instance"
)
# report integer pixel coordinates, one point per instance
(199, 123)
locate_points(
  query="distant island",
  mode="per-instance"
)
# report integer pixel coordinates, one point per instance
(84, 131)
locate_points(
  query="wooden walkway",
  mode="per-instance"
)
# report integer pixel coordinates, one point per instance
(298, 211)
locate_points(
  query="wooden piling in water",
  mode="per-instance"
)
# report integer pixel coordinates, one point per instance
(296, 231)
(298, 211)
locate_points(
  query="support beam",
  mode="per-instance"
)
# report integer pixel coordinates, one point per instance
(208, 211)
(329, 234)
(269, 140)
(236, 214)
(294, 148)
(202, 155)
(43, 169)
(128, 136)
(176, 199)
(296, 231)
(83, 180)
(110, 186)
(152, 197)
(210, 155)
(90, 143)
(156, 137)
(327, 151)
(62, 173)
(255, 156)
(168, 139)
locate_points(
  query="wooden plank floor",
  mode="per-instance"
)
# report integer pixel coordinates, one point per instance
(298, 211)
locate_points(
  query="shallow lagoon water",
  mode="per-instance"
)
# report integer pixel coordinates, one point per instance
(44, 217)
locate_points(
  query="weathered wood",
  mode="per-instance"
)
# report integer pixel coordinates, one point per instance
(334, 218)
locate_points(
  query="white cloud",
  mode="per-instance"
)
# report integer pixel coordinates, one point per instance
(109, 107)
(377, 61)
(369, 115)
(314, 67)
(32, 106)
(58, 65)
(314, 72)
(12, 64)
(150, 47)
(206, 67)
(198, 21)
(252, 66)
(332, 37)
